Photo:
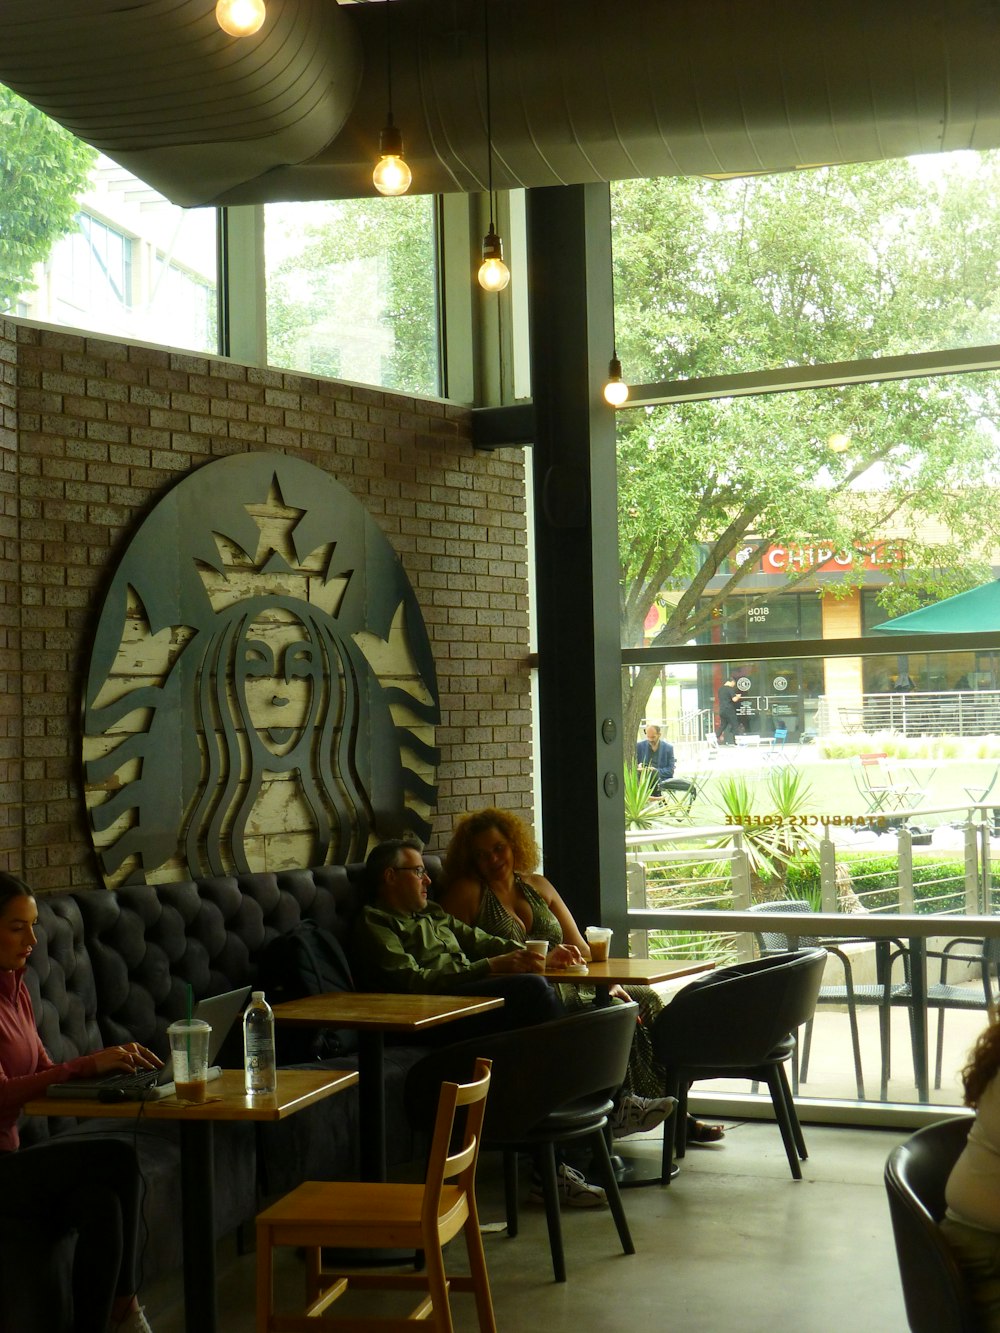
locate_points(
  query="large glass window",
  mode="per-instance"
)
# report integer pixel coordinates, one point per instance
(84, 243)
(806, 491)
(830, 264)
(352, 291)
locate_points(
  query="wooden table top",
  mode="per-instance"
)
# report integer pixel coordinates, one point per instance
(378, 1011)
(227, 1100)
(631, 971)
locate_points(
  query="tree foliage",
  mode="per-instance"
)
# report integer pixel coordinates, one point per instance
(829, 265)
(43, 169)
(356, 271)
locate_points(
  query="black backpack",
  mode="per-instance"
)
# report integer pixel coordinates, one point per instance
(306, 960)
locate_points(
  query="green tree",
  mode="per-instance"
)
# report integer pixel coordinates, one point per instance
(43, 169)
(827, 265)
(355, 269)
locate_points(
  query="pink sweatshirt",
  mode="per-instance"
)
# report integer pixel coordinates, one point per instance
(25, 1068)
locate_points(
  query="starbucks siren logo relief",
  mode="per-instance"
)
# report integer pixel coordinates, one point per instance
(261, 692)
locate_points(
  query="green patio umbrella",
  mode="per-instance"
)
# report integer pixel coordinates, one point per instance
(965, 613)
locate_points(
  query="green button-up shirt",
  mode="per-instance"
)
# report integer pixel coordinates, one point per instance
(421, 951)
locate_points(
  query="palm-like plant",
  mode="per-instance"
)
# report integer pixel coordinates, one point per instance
(769, 817)
(642, 809)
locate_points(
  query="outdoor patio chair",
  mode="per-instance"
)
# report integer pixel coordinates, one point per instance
(944, 994)
(882, 792)
(739, 1022)
(935, 1294)
(977, 794)
(552, 1083)
(849, 995)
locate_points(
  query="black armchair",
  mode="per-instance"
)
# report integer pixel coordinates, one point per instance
(739, 1022)
(934, 1291)
(551, 1083)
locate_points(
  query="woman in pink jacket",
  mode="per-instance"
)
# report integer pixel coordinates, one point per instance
(88, 1185)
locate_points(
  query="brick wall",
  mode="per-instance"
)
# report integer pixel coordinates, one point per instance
(93, 431)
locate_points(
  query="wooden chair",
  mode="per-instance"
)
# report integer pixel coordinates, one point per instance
(377, 1215)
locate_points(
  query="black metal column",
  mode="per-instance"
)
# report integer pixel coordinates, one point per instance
(575, 488)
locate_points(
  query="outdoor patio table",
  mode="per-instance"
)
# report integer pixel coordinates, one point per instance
(881, 928)
(372, 1015)
(296, 1089)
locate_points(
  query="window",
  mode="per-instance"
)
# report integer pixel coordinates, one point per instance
(351, 291)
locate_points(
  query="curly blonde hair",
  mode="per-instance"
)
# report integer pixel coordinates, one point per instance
(459, 862)
(984, 1061)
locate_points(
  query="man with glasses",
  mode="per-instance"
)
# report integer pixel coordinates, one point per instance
(406, 943)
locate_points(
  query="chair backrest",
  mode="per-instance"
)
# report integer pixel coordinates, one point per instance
(873, 769)
(738, 1015)
(936, 1297)
(778, 941)
(443, 1162)
(535, 1070)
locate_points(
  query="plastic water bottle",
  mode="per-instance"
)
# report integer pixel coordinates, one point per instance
(258, 1046)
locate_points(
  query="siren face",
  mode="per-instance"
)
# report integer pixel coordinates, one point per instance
(279, 677)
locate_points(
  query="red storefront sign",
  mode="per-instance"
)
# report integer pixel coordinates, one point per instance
(796, 559)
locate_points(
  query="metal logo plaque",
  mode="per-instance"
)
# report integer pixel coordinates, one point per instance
(261, 692)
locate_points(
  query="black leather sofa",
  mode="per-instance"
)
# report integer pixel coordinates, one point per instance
(115, 966)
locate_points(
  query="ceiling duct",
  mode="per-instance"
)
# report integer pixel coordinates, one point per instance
(580, 92)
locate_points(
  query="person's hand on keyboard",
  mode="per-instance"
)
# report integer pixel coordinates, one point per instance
(130, 1058)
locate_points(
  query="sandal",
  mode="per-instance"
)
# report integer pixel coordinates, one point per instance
(699, 1132)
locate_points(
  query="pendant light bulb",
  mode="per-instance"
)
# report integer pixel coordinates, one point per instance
(616, 390)
(494, 274)
(240, 18)
(391, 176)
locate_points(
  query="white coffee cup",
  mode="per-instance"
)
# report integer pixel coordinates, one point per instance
(537, 946)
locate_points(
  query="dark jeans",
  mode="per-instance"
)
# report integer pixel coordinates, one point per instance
(527, 999)
(90, 1186)
(728, 722)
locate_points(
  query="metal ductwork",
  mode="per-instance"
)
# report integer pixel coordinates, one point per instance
(582, 91)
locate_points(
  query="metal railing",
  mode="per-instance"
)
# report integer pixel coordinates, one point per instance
(680, 871)
(917, 713)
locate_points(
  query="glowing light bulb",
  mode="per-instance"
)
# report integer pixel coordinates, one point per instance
(494, 274)
(391, 175)
(616, 390)
(240, 18)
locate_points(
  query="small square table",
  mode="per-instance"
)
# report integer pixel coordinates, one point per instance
(631, 972)
(372, 1014)
(296, 1089)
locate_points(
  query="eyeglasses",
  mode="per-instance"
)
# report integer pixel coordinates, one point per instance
(419, 871)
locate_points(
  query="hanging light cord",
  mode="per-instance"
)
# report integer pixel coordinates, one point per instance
(489, 108)
(388, 60)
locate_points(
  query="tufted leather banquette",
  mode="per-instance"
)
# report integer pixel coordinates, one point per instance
(115, 965)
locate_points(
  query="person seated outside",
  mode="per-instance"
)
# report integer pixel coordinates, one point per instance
(971, 1224)
(657, 754)
(489, 882)
(84, 1184)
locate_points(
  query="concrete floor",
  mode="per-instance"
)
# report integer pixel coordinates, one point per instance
(734, 1243)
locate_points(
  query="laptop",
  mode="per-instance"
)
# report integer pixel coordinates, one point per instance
(221, 1011)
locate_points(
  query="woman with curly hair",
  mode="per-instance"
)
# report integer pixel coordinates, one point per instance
(971, 1223)
(489, 882)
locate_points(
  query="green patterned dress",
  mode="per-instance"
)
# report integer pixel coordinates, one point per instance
(645, 1076)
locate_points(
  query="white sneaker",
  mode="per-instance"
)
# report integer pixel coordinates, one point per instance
(636, 1115)
(575, 1191)
(134, 1322)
